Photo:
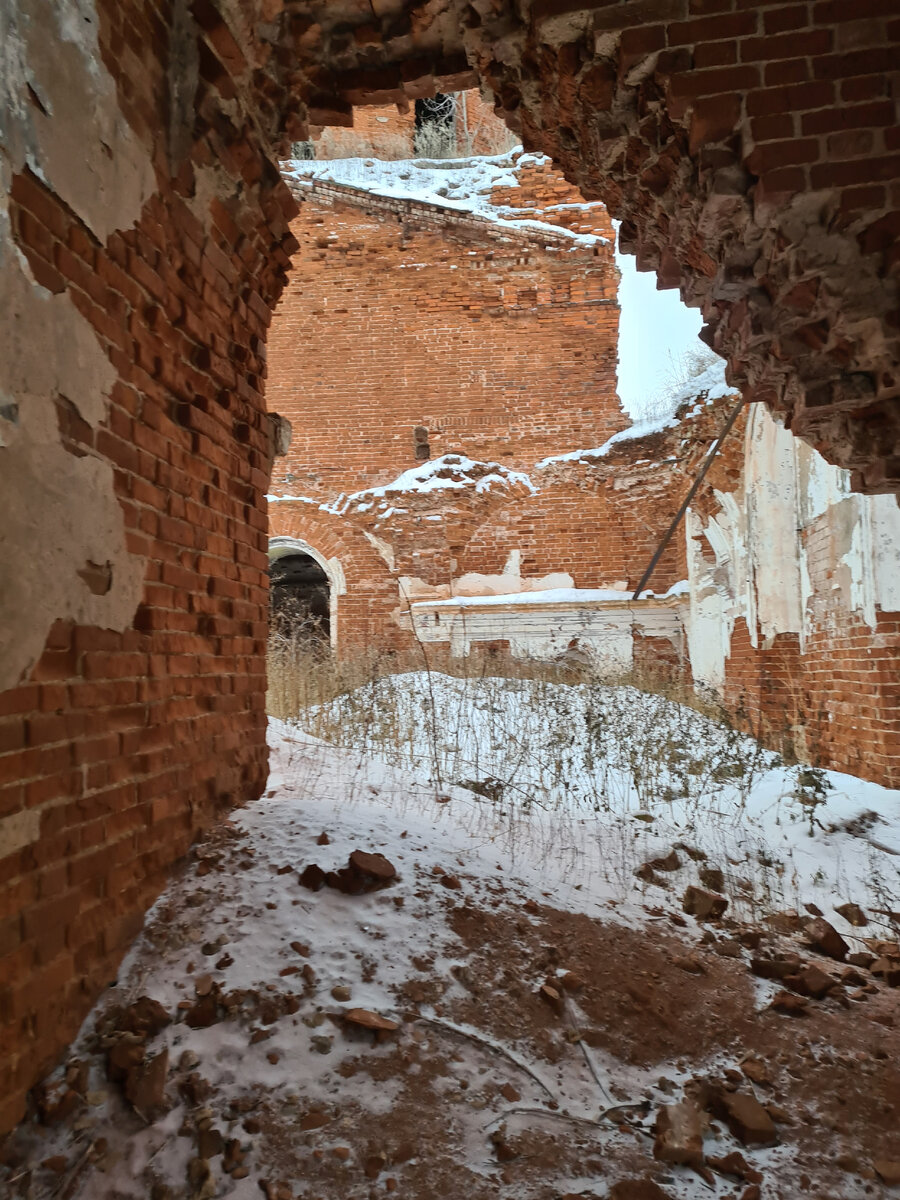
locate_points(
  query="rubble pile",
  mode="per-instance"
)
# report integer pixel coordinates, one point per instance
(692, 1057)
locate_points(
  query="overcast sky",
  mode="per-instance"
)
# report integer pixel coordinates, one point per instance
(654, 328)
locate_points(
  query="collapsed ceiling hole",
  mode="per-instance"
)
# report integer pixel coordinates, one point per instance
(435, 126)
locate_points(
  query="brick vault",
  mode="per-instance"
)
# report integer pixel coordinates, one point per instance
(751, 152)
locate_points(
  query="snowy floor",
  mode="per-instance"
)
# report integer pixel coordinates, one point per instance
(486, 1088)
(600, 779)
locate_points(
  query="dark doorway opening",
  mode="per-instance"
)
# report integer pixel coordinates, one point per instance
(300, 599)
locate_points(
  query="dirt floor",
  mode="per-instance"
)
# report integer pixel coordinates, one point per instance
(526, 1052)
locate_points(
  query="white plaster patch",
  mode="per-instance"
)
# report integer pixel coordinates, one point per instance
(59, 116)
(794, 548)
(771, 524)
(19, 830)
(602, 629)
(885, 529)
(59, 511)
(62, 114)
(382, 548)
(476, 584)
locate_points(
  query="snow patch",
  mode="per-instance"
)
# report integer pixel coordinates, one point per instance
(460, 184)
(449, 472)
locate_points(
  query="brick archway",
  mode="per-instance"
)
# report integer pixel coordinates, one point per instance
(281, 546)
(364, 591)
(751, 152)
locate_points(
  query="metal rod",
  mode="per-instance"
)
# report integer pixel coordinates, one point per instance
(676, 520)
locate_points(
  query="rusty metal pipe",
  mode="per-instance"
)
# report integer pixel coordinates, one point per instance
(676, 520)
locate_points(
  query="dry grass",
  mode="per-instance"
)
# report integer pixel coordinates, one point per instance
(557, 761)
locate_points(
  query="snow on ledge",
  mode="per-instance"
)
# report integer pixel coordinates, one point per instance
(450, 471)
(461, 184)
(639, 430)
(274, 499)
(710, 385)
(556, 596)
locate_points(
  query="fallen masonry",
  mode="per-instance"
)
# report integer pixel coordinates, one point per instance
(637, 1057)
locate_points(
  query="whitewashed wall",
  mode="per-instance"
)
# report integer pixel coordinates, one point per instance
(790, 551)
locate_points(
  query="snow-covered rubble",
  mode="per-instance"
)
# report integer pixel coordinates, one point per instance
(450, 472)
(543, 1007)
(616, 775)
(461, 185)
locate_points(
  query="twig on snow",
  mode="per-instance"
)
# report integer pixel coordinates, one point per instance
(487, 1044)
(66, 1184)
(585, 1050)
(544, 1112)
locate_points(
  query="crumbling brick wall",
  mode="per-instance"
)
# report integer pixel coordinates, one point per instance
(145, 251)
(719, 134)
(410, 327)
(752, 154)
(388, 131)
(824, 689)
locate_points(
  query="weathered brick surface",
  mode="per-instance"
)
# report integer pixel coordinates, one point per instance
(836, 704)
(720, 134)
(495, 343)
(120, 745)
(388, 131)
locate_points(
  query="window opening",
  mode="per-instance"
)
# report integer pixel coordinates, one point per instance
(435, 134)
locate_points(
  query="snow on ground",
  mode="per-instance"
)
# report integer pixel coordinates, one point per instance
(515, 813)
(462, 183)
(610, 777)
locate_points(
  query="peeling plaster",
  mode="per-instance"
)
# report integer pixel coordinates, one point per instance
(476, 584)
(602, 630)
(76, 138)
(382, 548)
(19, 830)
(772, 519)
(59, 116)
(794, 550)
(473, 583)
(884, 524)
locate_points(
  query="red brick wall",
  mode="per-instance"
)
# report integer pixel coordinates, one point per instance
(478, 130)
(836, 704)
(388, 131)
(121, 746)
(502, 345)
(383, 131)
(600, 527)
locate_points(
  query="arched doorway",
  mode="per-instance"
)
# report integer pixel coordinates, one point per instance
(299, 597)
(304, 590)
